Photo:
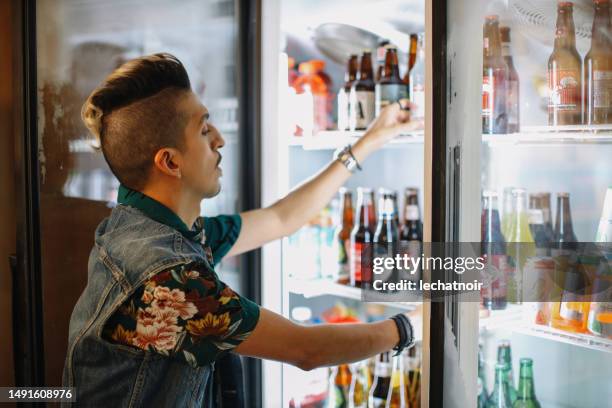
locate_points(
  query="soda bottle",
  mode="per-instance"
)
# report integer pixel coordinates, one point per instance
(397, 397)
(499, 397)
(494, 248)
(546, 212)
(482, 383)
(507, 212)
(512, 84)
(565, 72)
(311, 81)
(344, 92)
(526, 397)
(361, 234)
(360, 384)
(381, 52)
(564, 236)
(520, 245)
(504, 357)
(362, 99)
(417, 81)
(339, 384)
(343, 236)
(390, 87)
(412, 57)
(381, 385)
(598, 68)
(494, 76)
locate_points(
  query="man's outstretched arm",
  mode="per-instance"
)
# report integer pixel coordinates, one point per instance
(308, 347)
(291, 212)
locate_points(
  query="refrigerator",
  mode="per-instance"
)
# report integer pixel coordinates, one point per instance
(567, 159)
(64, 50)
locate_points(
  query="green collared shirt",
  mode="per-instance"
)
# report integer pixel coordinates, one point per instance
(219, 233)
(186, 311)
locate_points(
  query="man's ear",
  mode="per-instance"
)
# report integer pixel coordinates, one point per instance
(168, 160)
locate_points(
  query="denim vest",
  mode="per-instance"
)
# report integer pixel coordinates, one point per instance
(129, 249)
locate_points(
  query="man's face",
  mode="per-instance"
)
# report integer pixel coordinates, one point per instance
(200, 171)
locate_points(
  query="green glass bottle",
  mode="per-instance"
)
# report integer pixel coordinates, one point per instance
(482, 385)
(500, 397)
(504, 357)
(526, 391)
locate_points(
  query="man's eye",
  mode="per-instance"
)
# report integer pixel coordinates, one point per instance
(205, 130)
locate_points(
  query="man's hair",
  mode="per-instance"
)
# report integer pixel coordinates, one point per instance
(133, 114)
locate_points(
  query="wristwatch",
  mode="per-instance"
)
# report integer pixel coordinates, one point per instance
(345, 156)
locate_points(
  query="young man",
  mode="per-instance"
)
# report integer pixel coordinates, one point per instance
(154, 316)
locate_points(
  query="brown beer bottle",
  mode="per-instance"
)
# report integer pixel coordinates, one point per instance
(362, 234)
(512, 84)
(412, 229)
(386, 230)
(565, 72)
(382, 381)
(343, 94)
(412, 56)
(390, 87)
(494, 75)
(362, 99)
(564, 230)
(598, 68)
(343, 236)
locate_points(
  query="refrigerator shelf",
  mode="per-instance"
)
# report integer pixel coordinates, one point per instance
(323, 287)
(578, 134)
(498, 319)
(576, 339)
(333, 139)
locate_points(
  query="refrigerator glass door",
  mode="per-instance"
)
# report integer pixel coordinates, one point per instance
(78, 45)
(529, 114)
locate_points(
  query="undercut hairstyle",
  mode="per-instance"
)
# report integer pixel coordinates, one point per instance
(134, 113)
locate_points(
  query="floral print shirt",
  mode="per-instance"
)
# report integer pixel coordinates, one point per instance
(185, 312)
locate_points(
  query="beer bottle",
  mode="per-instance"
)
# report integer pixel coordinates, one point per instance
(536, 224)
(565, 72)
(545, 204)
(397, 396)
(526, 392)
(381, 52)
(386, 234)
(381, 384)
(598, 68)
(482, 383)
(504, 357)
(599, 321)
(360, 382)
(564, 236)
(494, 248)
(395, 210)
(390, 87)
(512, 84)
(339, 384)
(412, 57)
(344, 92)
(417, 81)
(494, 75)
(362, 99)
(343, 236)
(499, 398)
(411, 232)
(361, 234)
(413, 375)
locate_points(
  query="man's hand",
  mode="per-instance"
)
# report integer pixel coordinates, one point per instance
(291, 212)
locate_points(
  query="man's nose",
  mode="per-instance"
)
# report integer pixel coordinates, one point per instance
(217, 140)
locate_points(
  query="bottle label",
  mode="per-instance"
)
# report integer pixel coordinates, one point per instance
(382, 370)
(564, 88)
(387, 94)
(602, 89)
(356, 249)
(412, 212)
(343, 262)
(571, 311)
(362, 109)
(506, 50)
(343, 110)
(494, 287)
(512, 101)
(417, 97)
(536, 216)
(487, 96)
